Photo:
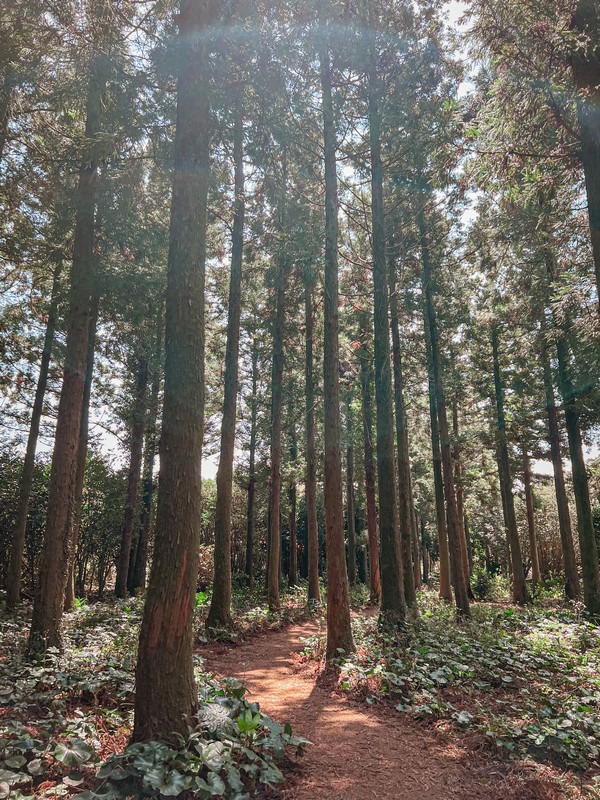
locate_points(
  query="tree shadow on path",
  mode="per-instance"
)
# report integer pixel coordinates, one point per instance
(359, 752)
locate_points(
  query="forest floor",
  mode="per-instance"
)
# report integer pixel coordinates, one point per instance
(502, 706)
(361, 751)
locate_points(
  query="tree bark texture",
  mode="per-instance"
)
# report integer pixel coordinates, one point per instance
(82, 450)
(533, 546)
(460, 498)
(458, 574)
(252, 469)
(13, 593)
(572, 590)
(136, 454)
(393, 604)
(366, 379)
(310, 489)
(166, 695)
(49, 598)
(438, 482)
(339, 631)
(519, 587)
(219, 615)
(137, 579)
(585, 523)
(404, 478)
(293, 527)
(350, 520)
(274, 553)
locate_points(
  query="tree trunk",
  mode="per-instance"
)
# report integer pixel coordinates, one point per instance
(310, 491)
(293, 571)
(350, 493)
(136, 454)
(404, 478)
(49, 598)
(438, 481)
(219, 615)
(137, 579)
(252, 470)
(533, 546)
(585, 62)
(572, 591)
(339, 631)
(438, 485)
(460, 584)
(13, 594)
(460, 498)
(504, 501)
(393, 604)
(519, 587)
(585, 522)
(274, 554)
(416, 551)
(82, 449)
(369, 465)
(469, 542)
(166, 697)
(424, 551)
(292, 492)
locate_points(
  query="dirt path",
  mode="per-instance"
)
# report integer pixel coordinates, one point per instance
(359, 752)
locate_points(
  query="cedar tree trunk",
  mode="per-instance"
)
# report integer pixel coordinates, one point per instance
(310, 490)
(219, 615)
(519, 587)
(339, 631)
(393, 604)
(136, 454)
(166, 697)
(13, 581)
(49, 598)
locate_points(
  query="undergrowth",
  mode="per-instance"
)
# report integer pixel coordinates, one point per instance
(251, 614)
(65, 722)
(527, 679)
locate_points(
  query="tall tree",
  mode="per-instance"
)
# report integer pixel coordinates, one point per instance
(404, 479)
(519, 587)
(366, 379)
(572, 591)
(350, 511)
(166, 695)
(13, 594)
(339, 631)
(274, 550)
(529, 504)
(393, 605)
(456, 562)
(48, 604)
(136, 454)
(310, 485)
(219, 615)
(82, 453)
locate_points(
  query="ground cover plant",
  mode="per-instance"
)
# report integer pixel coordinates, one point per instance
(252, 614)
(527, 680)
(65, 721)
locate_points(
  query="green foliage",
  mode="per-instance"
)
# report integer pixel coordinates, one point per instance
(231, 752)
(56, 713)
(490, 587)
(526, 679)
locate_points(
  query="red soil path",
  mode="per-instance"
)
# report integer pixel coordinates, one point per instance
(360, 752)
